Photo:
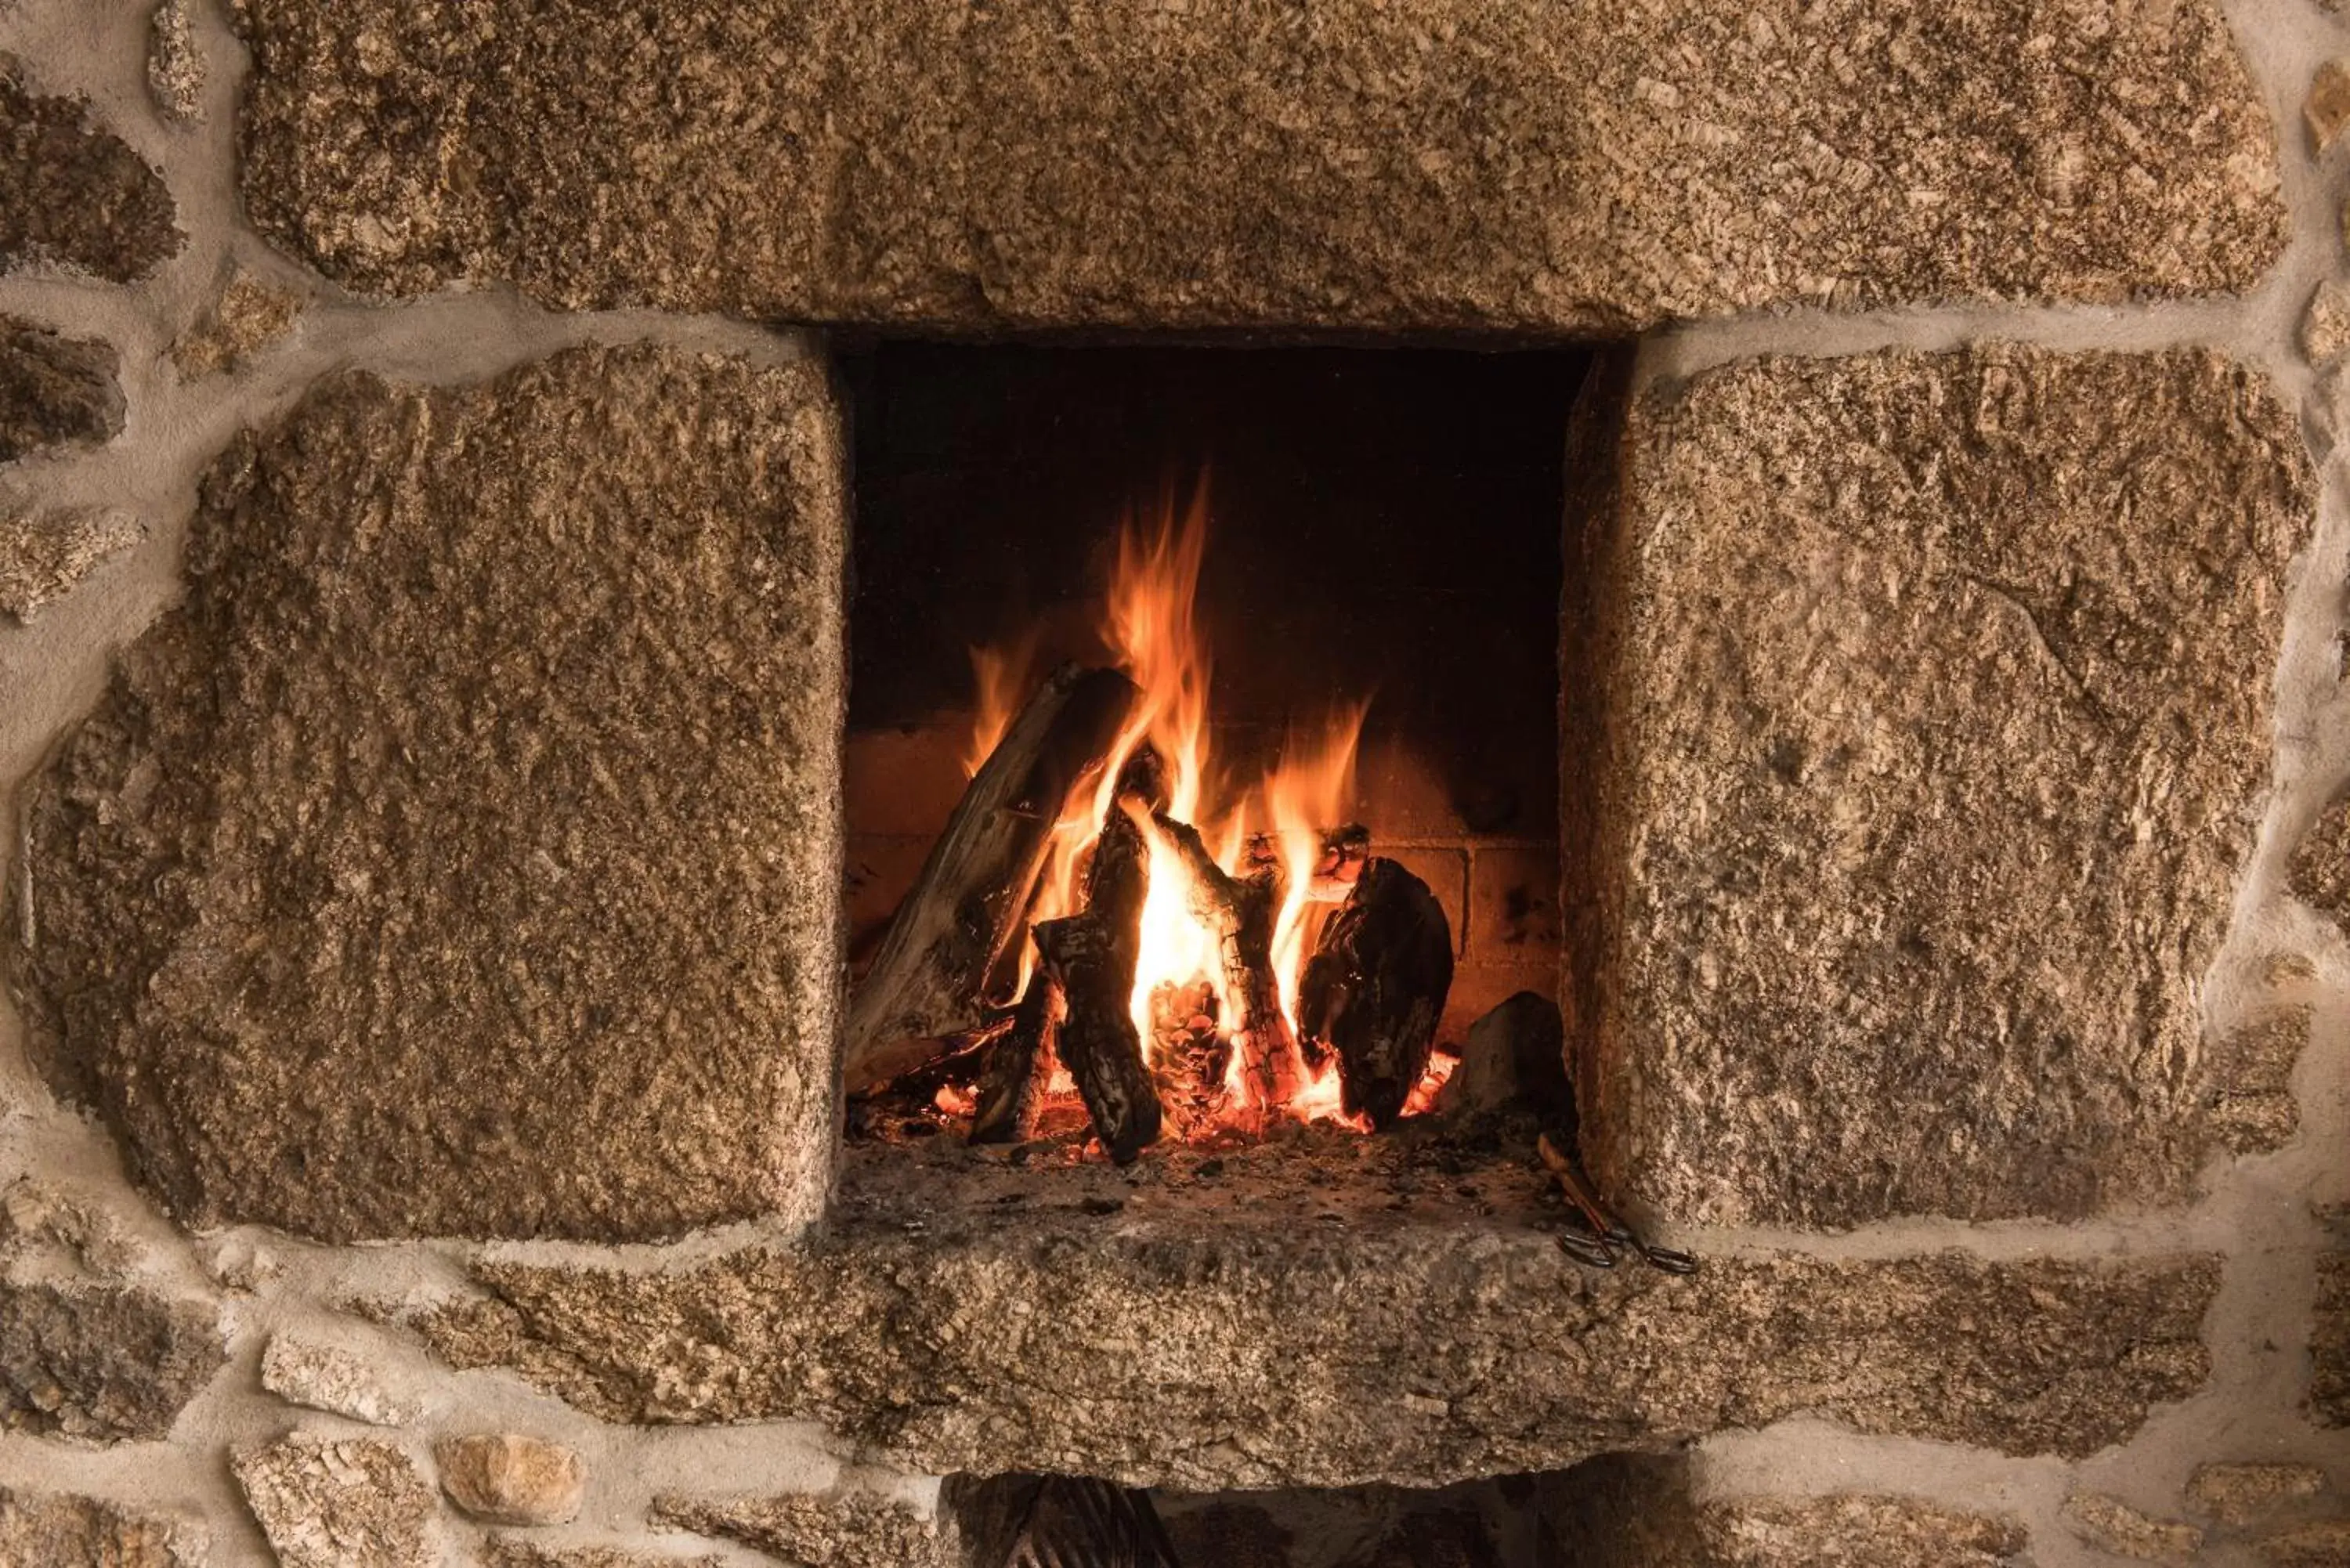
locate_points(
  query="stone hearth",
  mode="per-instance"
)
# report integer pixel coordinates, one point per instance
(429, 497)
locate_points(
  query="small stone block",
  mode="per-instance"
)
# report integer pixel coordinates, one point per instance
(513, 1552)
(44, 557)
(55, 391)
(2325, 323)
(2321, 1545)
(340, 1504)
(2327, 109)
(175, 64)
(1636, 1511)
(331, 1377)
(67, 1532)
(2112, 1525)
(2246, 1492)
(852, 1530)
(101, 1364)
(248, 316)
(2329, 1343)
(2319, 869)
(2249, 1074)
(76, 195)
(507, 1478)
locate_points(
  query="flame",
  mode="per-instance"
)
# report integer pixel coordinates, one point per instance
(1306, 793)
(1422, 1098)
(1149, 622)
(1001, 677)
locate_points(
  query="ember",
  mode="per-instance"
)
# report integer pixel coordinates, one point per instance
(1201, 958)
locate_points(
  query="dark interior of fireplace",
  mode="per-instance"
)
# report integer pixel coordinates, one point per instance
(1603, 1511)
(1384, 531)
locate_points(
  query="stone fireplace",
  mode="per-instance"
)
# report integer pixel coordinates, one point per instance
(1834, 514)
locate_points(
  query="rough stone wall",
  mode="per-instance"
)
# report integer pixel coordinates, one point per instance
(313, 318)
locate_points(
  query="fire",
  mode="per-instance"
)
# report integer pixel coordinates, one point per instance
(1149, 621)
(1001, 677)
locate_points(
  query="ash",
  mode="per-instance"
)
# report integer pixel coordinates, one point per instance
(909, 1169)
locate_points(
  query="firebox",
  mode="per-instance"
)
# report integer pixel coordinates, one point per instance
(1203, 771)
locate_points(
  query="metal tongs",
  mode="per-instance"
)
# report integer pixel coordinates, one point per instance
(1596, 1248)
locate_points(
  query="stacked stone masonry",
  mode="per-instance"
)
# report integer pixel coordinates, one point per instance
(422, 703)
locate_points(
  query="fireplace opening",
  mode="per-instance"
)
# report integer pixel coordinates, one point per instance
(1204, 773)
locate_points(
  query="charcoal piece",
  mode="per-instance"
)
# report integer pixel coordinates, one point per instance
(1096, 1040)
(1019, 1065)
(1375, 986)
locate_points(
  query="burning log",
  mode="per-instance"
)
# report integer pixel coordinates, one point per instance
(1091, 958)
(1344, 852)
(1240, 911)
(926, 983)
(1375, 988)
(1012, 1088)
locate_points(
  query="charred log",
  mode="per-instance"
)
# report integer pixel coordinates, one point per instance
(1375, 986)
(1092, 958)
(1344, 852)
(1019, 1065)
(971, 899)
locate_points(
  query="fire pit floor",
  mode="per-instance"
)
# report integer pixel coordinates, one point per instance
(1319, 1176)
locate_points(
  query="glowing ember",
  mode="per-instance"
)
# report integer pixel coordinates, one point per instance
(1183, 1005)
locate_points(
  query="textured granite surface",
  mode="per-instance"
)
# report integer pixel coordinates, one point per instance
(61, 1531)
(54, 390)
(46, 556)
(1510, 166)
(339, 1503)
(462, 857)
(1942, 725)
(71, 191)
(101, 1363)
(1211, 1359)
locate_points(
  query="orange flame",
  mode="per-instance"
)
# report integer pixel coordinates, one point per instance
(1151, 623)
(1001, 677)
